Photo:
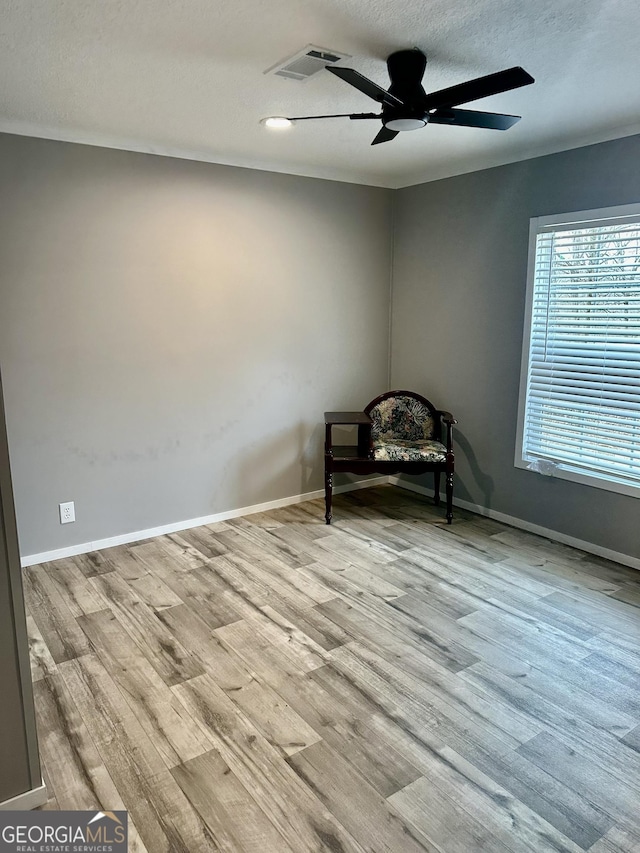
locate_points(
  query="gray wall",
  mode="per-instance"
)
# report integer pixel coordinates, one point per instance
(171, 332)
(460, 264)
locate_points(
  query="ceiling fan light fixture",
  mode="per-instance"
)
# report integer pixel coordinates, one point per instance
(405, 123)
(277, 122)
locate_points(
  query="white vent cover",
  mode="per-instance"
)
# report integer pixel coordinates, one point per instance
(306, 63)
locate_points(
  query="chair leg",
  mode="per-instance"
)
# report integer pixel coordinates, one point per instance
(436, 488)
(449, 489)
(328, 494)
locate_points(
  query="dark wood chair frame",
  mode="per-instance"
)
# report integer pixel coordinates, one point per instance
(358, 459)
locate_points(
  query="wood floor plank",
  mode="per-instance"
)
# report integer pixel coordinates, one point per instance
(206, 594)
(172, 661)
(76, 773)
(125, 561)
(345, 728)
(167, 823)
(523, 540)
(567, 577)
(259, 654)
(632, 739)
(426, 725)
(618, 647)
(374, 536)
(490, 804)
(204, 541)
(474, 540)
(282, 727)
(615, 616)
(351, 582)
(355, 551)
(446, 698)
(294, 554)
(476, 570)
(295, 586)
(600, 701)
(440, 590)
(216, 658)
(232, 816)
(606, 667)
(257, 545)
(174, 734)
(294, 810)
(488, 645)
(572, 815)
(39, 655)
(273, 717)
(268, 633)
(444, 821)
(356, 805)
(51, 612)
(183, 556)
(107, 715)
(248, 589)
(509, 628)
(99, 562)
(618, 840)
(155, 593)
(463, 581)
(171, 551)
(79, 594)
(311, 622)
(408, 638)
(587, 777)
(305, 653)
(537, 613)
(596, 743)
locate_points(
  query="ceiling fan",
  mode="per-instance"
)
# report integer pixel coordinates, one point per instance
(406, 106)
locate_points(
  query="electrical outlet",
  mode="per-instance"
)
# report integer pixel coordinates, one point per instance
(67, 512)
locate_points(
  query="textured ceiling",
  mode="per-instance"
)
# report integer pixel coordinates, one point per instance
(185, 77)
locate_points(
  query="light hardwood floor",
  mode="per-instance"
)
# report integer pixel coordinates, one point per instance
(388, 683)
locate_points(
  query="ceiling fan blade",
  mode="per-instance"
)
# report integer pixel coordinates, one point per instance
(336, 115)
(385, 135)
(473, 118)
(368, 87)
(481, 87)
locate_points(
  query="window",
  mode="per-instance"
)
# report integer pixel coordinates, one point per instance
(579, 415)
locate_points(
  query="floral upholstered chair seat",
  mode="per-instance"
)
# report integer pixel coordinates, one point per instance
(398, 450)
(403, 431)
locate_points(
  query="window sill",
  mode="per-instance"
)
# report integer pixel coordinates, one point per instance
(564, 472)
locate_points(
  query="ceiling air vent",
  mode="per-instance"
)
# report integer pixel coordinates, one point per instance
(306, 63)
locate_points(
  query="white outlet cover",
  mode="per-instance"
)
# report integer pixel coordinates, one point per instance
(67, 512)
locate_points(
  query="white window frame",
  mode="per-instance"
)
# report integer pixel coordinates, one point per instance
(563, 471)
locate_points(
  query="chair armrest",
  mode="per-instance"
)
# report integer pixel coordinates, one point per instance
(449, 420)
(447, 417)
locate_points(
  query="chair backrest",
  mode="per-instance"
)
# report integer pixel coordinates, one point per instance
(403, 415)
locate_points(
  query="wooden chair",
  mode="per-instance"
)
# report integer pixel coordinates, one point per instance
(399, 432)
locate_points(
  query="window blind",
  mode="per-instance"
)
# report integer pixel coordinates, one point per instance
(582, 408)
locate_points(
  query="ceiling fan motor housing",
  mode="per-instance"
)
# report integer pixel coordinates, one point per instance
(406, 69)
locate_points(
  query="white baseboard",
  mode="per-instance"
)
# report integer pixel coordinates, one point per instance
(27, 801)
(581, 544)
(138, 535)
